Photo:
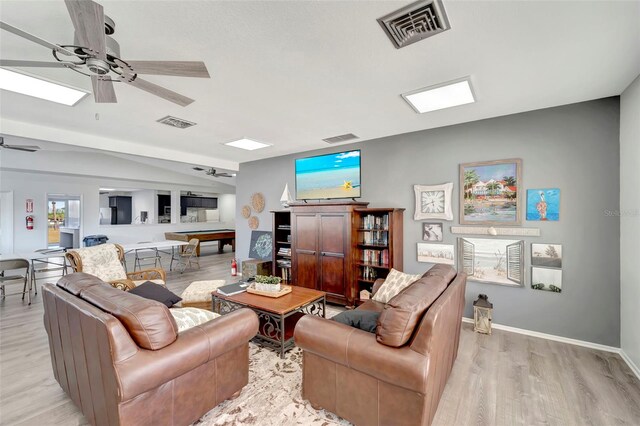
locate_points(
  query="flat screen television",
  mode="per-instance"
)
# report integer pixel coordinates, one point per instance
(328, 176)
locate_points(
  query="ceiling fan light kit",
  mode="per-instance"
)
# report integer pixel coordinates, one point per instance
(96, 54)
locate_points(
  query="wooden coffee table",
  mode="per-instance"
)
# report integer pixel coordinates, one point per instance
(278, 316)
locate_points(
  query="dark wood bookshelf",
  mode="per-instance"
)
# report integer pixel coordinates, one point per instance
(384, 223)
(281, 239)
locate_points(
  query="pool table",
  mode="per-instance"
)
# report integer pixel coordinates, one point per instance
(222, 236)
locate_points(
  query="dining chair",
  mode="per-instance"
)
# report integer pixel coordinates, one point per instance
(186, 256)
(15, 265)
(146, 254)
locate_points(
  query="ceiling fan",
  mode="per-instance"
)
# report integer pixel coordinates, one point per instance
(26, 148)
(214, 173)
(96, 54)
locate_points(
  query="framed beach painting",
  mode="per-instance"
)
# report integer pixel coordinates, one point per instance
(492, 261)
(436, 253)
(543, 204)
(546, 255)
(546, 279)
(490, 192)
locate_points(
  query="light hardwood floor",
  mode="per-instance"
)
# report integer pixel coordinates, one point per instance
(503, 379)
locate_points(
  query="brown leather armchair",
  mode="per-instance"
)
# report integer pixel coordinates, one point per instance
(122, 361)
(397, 375)
(106, 262)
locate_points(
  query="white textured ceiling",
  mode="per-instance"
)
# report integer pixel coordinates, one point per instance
(290, 73)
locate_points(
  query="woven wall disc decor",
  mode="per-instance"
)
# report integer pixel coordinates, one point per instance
(253, 222)
(246, 212)
(257, 202)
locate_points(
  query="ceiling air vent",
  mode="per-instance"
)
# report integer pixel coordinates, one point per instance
(340, 138)
(415, 22)
(176, 122)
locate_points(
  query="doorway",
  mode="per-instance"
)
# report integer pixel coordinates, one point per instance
(64, 219)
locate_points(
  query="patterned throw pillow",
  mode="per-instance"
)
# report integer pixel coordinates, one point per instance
(190, 317)
(395, 282)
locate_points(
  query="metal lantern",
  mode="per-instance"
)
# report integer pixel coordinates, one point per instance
(482, 312)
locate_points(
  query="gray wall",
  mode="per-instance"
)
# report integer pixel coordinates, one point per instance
(630, 221)
(574, 148)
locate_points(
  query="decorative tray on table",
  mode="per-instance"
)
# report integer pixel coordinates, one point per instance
(284, 289)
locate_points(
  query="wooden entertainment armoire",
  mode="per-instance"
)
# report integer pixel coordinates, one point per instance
(334, 243)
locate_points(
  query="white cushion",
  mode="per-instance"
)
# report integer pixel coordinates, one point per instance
(200, 291)
(102, 261)
(395, 282)
(138, 282)
(190, 317)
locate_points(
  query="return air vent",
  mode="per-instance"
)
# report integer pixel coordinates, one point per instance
(415, 22)
(176, 122)
(340, 138)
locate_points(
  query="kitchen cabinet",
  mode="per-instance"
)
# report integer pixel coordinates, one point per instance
(120, 210)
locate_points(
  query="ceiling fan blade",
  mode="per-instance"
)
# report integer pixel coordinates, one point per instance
(103, 91)
(35, 39)
(26, 148)
(154, 89)
(177, 68)
(88, 20)
(38, 64)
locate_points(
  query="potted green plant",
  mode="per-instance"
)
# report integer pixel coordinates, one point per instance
(267, 283)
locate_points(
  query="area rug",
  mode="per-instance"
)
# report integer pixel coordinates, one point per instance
(273, 395)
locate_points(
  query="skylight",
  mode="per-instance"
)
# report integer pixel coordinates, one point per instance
(38, 88)
(441, 96)
(247, 144)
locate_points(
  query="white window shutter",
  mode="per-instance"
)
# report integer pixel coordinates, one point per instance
(515, 260)
(468, 256)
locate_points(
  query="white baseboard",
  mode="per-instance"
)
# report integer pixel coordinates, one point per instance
(630, 363)
(550, 337)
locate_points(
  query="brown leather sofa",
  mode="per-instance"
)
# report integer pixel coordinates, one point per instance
(122, 361)
(397, 375)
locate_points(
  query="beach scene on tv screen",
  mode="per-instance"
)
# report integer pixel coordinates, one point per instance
(328, 176)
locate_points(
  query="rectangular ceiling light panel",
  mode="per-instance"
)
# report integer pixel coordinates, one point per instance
(441, 96)
(39, 88)
(247, 144)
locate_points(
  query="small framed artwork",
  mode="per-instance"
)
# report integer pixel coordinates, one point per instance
(543, 204)
(546, 279)
(490, 192)
(546, 255)
(436, 253)
(492, 261)
(433, 201)
(432, 231)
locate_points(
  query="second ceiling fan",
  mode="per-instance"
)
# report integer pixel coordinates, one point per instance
(96, 54)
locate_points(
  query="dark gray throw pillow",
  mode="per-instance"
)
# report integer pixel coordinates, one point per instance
(156, 292)
(364, 320)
